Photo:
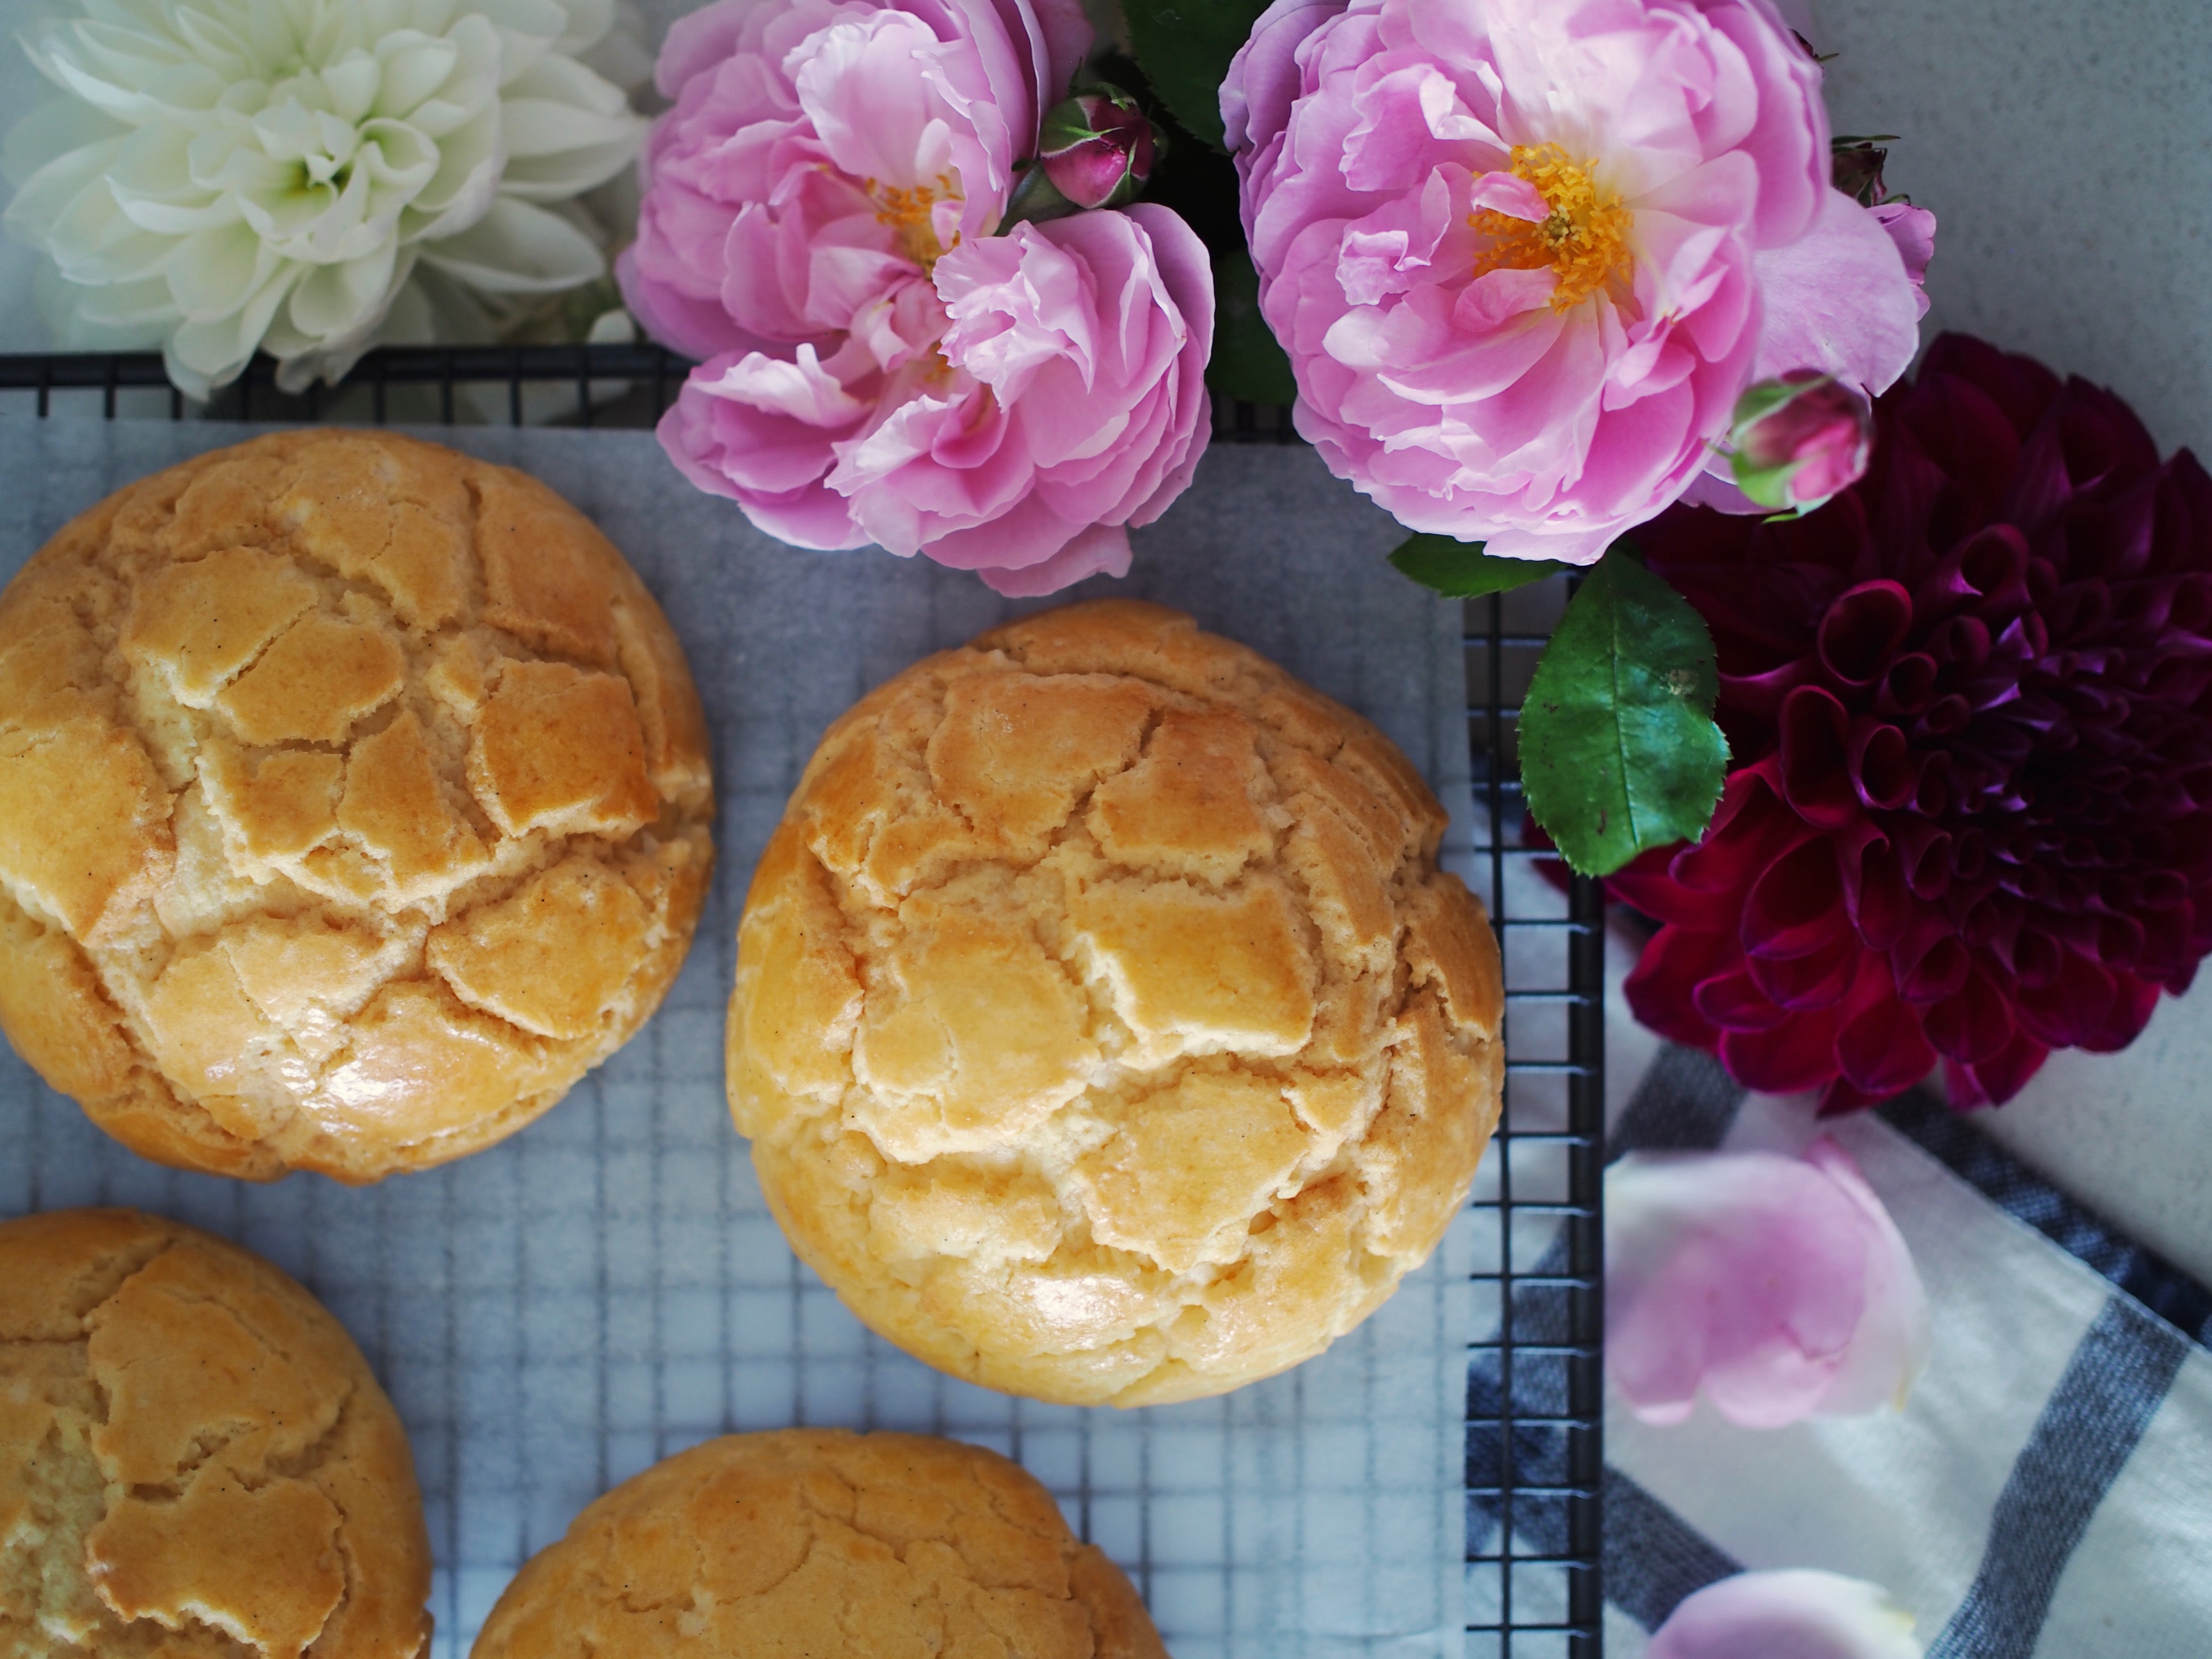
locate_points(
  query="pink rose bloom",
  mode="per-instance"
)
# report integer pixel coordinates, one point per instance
(1796, 1613)
(819, 224)
(821, 150)
(1779, 1287)
(1525, 254)
(1012, 416)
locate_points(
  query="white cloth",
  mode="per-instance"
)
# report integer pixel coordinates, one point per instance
(2047, 1492)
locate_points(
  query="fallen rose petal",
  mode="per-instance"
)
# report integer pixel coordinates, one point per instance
(1795, 1613)
(1777, 1287)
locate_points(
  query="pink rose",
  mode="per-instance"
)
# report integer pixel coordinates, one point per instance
(820, 223)
(1779, 1287)
(1796, 1613)
(820, 149)
(1526, 254)
(1012, 416)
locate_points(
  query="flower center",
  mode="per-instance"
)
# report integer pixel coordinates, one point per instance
(911, 213)
(1584, 239)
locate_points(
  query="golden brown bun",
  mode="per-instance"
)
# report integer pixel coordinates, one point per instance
(1103, 1026)
(817, 1544)
(195, 1461)
(353, 803)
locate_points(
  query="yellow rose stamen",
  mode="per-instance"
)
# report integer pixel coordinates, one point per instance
(1584, 239)
(907, 211)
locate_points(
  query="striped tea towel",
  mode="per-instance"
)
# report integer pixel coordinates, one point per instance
(2047, 1490)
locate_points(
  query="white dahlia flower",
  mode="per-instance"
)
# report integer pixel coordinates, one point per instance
(221, 175)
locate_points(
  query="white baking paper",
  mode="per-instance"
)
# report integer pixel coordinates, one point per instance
(606, 1288)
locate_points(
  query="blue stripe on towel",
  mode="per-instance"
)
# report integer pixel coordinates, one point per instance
(2089, 1428)
(2006, 1181)
(1652, 1556)
(2112, 1387)
(1684, 1104)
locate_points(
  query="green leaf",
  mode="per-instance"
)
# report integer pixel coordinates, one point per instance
(1462, 570)
(1248, 364)
(1619, 751)
(1184, 47)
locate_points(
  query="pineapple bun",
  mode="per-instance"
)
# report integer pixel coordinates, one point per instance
(353, 803)
(195, 1462)
(822, 1544)
(1104, 1027)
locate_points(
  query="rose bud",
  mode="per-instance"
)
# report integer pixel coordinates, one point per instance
(1097, 147)
(1798, 439)
(1855, 167)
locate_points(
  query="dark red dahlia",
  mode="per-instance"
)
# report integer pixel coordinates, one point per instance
(1970, 705)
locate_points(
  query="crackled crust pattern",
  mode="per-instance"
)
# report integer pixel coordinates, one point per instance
(195, 1461)
(354, 802)
(1104, 1027)
(811, 1542)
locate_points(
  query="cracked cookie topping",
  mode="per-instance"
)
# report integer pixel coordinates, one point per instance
(1104, 1027)
(353, 803)
(196, 1462)
(819, 1541)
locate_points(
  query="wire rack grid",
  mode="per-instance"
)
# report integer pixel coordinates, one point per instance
(1532, 1445)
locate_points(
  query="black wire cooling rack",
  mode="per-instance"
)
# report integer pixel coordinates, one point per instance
(1533, 1384)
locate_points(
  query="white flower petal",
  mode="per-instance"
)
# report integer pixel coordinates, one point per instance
(516, 248)
(302, 357)
(472, 85)
(588, 23)
(344, 299)
(200, 356)
(555, 179)
(94, 240)
(49, 132)
(152, 166)
(271, 34)
(565, 81)
(352, 84)
(49, 194)
(527, 30)
(229, 160)
(399, 159)
(128, 307)
(213, 272)
(288, 131)
(214, 43)
(95, 63)
(414, 65)
(470, 165)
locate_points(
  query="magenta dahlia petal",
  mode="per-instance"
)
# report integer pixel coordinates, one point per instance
(1970, 702)
(1817, 980)
(1663, 989)
(1798, 1054)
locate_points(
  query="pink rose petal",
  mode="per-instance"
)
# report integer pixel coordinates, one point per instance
(1776, 1287)
(1796, 1613)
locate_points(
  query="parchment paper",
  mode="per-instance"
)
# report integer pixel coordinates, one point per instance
(606, 1288)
